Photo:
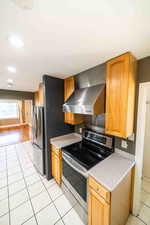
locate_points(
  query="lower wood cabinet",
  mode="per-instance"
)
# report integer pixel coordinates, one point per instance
(109, 208)
(56, 157)
(99, 209)
(104, 207)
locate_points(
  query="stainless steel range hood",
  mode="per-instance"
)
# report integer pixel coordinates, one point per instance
(89, 100)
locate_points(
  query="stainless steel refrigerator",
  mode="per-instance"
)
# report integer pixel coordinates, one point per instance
(38, 139)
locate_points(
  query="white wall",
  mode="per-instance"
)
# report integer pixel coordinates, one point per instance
(146, 161)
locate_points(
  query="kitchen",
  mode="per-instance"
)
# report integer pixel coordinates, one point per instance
(83, 163)
(92, 183)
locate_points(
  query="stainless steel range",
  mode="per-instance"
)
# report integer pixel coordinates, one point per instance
(80, 157)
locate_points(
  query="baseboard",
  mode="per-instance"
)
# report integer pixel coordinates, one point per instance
(13, 126)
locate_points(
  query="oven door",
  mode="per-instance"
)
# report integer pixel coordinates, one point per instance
(75, 177)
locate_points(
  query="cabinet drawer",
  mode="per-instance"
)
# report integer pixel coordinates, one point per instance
(55, 150)
(99, 189)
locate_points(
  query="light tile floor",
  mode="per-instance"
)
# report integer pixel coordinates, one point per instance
(26, 198)
(144, 215)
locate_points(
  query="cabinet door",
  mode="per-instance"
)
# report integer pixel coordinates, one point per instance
(98, 209)
(69, 87)
(58, 161)
(53, 164)
(57, 167)
(120, 94)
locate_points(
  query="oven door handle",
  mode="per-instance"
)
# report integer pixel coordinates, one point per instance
(85, 174)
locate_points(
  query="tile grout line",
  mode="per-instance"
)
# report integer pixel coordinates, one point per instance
(46, 188)
(27, 190)
(19, 204)
(8, 188)
(53, 201)
(50, 198)
(20, 189)
(28, 193)
(37, 213)
(22, 204)
(146, 191)
(146, 205)
(48, 195)
(140, 219)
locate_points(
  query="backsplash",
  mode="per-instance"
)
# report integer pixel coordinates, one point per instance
(98, 124)
(131, 145)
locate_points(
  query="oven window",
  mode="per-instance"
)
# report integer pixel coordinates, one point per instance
(78, 181)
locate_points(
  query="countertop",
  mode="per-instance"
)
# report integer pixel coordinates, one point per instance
(111, 171)
(65, 140)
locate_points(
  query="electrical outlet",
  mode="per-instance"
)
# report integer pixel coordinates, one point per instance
(124, 144)
(80, 130)
(132, 137)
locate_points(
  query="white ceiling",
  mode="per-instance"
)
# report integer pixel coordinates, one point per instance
(64, 37)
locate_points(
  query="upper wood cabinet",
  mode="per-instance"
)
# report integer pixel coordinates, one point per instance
(120, 95)
(39, 96)
(69, 87)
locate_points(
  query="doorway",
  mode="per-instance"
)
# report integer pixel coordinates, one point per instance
(15, 121)
(141, 195)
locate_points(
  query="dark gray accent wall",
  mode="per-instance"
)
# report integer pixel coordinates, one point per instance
(91, 77)
(53, 115)
(144, 70)
(18, 95)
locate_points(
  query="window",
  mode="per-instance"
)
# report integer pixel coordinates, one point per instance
(9, 110)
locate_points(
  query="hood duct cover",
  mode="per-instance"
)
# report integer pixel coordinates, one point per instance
(90, 101)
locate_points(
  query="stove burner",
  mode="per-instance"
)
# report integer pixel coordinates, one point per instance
(91, 150)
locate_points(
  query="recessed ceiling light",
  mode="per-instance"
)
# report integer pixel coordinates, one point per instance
(16, 41)
(9, 85)
(24, 4)
(11, 69)
(10, 81)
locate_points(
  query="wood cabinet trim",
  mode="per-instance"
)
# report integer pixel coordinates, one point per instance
(94, 218)
(55, 150)
(69, 87)
(56, 159)
(116, 212)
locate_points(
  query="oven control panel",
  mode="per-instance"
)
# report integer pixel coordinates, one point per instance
(98, 138)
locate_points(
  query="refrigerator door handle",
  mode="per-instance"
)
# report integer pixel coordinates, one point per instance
(36, 126)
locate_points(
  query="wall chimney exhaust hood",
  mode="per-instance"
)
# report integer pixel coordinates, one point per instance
(89, 100)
